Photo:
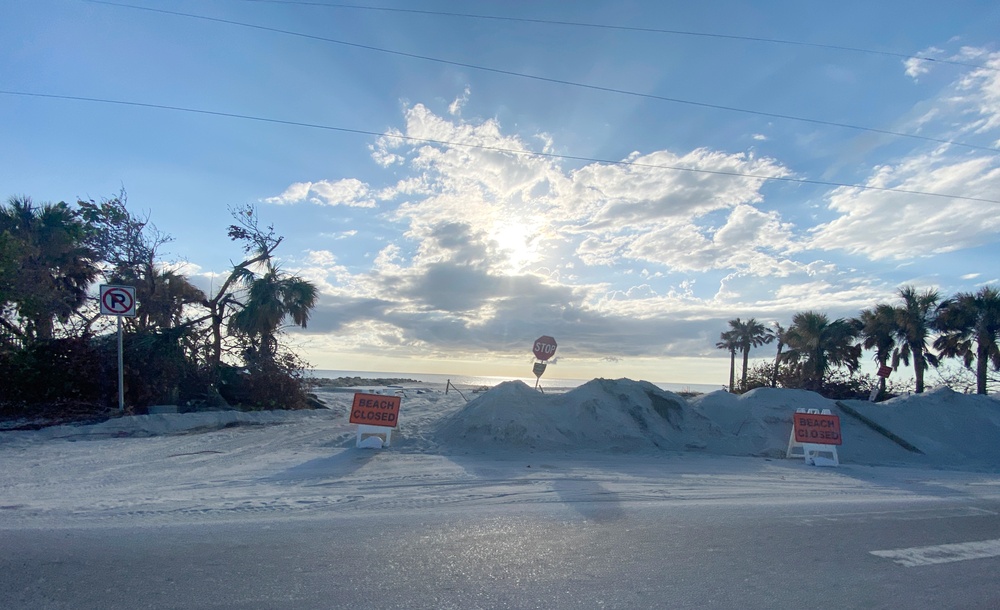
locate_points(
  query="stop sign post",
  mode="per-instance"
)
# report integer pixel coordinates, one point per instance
(544, 348)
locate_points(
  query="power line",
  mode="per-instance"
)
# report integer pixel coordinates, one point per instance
(674, 100)
(526, 153)
(627, 28)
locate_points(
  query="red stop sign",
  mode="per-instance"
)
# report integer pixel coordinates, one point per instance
(545, 347)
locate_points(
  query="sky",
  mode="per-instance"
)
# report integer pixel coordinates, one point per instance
(459, 179)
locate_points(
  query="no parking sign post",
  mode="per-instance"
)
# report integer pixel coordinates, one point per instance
(119, 301)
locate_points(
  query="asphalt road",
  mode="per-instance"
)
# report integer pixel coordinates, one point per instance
(594, 553)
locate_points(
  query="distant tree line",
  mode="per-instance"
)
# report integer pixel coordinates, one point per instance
(922, 328)
(183, 346)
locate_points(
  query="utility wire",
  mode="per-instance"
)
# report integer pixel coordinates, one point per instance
(627, 28)
(674, 100)
(513, 151)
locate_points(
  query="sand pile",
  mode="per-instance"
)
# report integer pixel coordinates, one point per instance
(939, 429)
(623, 414)
(758, 422)
(603, 415)
(947, 427)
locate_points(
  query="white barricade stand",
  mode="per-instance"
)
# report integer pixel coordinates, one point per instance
(366, 432)
(812, 452)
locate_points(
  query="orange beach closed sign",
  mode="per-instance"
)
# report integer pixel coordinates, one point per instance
(817, 429)
(375, 410)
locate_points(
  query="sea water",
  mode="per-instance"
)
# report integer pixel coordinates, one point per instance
(475, 381)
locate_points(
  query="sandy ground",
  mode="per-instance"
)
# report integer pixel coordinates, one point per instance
(507, 445)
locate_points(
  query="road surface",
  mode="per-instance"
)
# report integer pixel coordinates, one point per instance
(591, 549)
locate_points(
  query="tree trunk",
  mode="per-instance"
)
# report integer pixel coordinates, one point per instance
(732, 370)
(982, 362)
(44, 328)
(746, 358)
(215, 356)
(774, 373)
(918, 369)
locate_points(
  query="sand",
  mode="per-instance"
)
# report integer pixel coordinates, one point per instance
(506, 445)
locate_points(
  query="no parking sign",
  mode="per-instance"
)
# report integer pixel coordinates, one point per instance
(118, 300)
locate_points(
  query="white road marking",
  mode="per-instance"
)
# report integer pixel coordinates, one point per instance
(942, 553)
(899, 515)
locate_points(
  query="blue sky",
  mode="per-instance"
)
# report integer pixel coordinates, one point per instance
(652, 216)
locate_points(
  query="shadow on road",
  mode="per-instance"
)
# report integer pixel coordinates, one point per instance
(590, 499)
(336, 466)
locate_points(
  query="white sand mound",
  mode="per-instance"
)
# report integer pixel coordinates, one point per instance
(949, 428)
(165, 424)
(759, 423)
(603, 414)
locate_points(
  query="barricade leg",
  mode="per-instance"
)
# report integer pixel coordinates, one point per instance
(365, 431)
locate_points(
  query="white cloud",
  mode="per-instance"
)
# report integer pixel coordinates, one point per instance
(663, 184)
(899, 225)
(506, 213)
(321, 268)
(455, 109)
(971, 104)
(918, 65)
(295, 193)
(493, 238)
(184, 268)
(980, 89)
(749, 240)
(904, 226)
(388, 259)
(349, 192)
(644, 291)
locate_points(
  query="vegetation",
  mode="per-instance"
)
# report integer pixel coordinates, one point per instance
(748, 335)
(779, 337)
(914, 323)
(878, 333)
(969, 325)
(815, 344)
(824, 355)
(47, 268)
(730, 343)
(182, 347)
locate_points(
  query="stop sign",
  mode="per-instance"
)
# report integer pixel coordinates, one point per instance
(545, 347)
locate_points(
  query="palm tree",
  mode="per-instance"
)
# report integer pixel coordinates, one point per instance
(914, 321)
(878, 332)
(816, 344)
(271, 298)
(161, 295)
(169, 293)
(968, 318)
(749, 334)
(48, 265)
(779, 336)
(728, 342)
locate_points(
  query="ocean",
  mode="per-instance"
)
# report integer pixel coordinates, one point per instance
(464, 381)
